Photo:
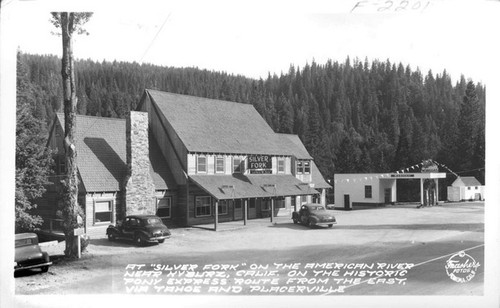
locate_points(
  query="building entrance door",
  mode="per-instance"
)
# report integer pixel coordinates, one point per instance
(347, 202)
(252, 211)
(387, 195)
(238, 209)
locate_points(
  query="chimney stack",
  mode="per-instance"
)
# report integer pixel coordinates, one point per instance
(139, 194)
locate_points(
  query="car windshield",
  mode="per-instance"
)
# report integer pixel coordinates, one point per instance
(25, 242)
(317, 208)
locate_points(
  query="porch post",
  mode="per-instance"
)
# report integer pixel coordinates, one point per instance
(437, 191)
(245, 211)
(422, 192)
(272, 209)
(216, 220)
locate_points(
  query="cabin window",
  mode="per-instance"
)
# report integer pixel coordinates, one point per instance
(203, 206)
(307, 167)
(164, 207)
(61, 165)
(103, 211)
(303, 167)
(219, 164)
(281, 165)
(222, 207)
(201, 164)
(236, 164)
(368, 191)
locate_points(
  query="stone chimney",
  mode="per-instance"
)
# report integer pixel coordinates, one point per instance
(139, 194)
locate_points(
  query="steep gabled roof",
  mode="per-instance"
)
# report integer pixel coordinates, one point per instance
(101, 155)
(216, 126)
(317, 177)
(469, 181)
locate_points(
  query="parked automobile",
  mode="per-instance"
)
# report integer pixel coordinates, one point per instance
(139, 228)
(313, 214)
(28, 255)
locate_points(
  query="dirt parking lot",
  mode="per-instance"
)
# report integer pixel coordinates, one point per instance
(394, 232)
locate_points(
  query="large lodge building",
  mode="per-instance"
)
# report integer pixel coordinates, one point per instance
(189, 160)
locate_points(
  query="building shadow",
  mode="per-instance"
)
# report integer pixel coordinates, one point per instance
(108, 157)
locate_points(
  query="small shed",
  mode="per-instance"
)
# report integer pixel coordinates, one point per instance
(466, 188)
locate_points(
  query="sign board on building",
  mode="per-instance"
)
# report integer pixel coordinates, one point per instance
(403, 175)
(264, 171)
(259, 162)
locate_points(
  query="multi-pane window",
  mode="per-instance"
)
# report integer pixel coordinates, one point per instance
(203, 206)
(103, 211)
(219, 164)
(368, 191)
(303, 167)
(281, 165)
(222, 207)
(61, 165)
(201, 164)
(236, 164)
(164, 207)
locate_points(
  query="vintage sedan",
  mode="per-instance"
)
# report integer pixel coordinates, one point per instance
(313, 214)
(28, 254)
(139, 228)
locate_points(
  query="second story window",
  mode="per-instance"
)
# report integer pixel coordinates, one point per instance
(303, 167)
(307, 167)
(219, 164)
(281, 165)
(201, 164)
(236, 164)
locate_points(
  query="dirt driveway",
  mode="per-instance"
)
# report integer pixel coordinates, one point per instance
(362, 232)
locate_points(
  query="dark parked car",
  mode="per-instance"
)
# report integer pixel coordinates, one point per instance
(28, 254)
(313, 215)
(139, 228)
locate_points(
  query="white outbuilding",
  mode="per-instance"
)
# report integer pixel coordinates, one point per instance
(356, 189)
(465, 188)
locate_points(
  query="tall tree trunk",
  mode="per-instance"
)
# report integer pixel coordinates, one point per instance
(71, 209)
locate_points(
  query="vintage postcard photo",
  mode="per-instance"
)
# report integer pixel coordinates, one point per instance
(230, 153)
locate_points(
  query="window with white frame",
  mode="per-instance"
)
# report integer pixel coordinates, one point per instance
(222, 207)
(164, 207)
(303, 167)
(201, 164)
(307, 167)
(103, 211)
(203, 206)
(219, 164)
(237, 165)
(281, 165)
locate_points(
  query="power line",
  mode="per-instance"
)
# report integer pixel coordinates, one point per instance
(154, 38)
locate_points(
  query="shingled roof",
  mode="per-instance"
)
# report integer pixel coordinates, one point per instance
(467, 181)
(317, 177)
(216, 126)
(101, 150)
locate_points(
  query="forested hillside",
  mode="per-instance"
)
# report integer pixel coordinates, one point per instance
(354, 116)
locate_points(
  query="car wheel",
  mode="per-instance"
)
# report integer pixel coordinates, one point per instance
(111, 236)
(309, 224)
(295, 221)
(161, 241)
(330, 225)
(45, 269)
(139, 240)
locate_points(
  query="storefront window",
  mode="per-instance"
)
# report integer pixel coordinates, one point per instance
(203, 206)
(102, 211)
(222, 207)
(164, 207)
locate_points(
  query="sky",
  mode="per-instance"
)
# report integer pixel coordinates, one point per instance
(254, 40)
